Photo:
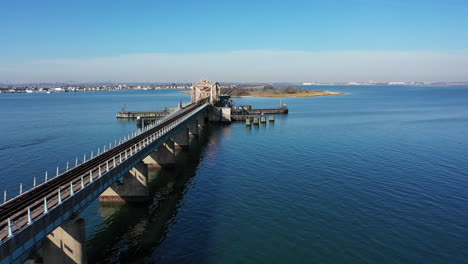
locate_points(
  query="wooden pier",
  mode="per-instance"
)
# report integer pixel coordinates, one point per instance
(241, 113)
(142, 114)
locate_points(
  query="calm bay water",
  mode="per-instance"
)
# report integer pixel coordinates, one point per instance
(375, 176)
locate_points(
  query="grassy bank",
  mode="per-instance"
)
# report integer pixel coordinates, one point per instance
(269, 91)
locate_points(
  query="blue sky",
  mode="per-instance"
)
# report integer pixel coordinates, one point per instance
(36, 34)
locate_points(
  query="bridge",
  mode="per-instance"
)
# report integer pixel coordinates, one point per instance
(46, 216)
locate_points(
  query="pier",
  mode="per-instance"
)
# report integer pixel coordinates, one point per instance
(142, 114)
(242, 113)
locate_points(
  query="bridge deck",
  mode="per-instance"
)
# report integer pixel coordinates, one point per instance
(25, 209)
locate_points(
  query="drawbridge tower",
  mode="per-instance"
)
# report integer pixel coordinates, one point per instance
(206, 89)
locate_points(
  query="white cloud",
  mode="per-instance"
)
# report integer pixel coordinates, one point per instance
(251, 66)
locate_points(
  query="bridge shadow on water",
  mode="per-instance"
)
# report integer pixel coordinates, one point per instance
(132, 232)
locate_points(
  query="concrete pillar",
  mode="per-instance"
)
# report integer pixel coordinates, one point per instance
(225, 114)
(181, 140)
(66, 244)
(134, 187)
(193, 128)
(163, 157)
(220, 114)
(201, 120)
(214, 114)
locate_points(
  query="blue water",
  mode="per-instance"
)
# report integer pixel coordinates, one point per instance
(378, 175)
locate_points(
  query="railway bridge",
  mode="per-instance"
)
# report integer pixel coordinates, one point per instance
(47, 215)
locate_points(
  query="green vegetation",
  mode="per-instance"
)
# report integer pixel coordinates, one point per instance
(288, 91)
(270, 91)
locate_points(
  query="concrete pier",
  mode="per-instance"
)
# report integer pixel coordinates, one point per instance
(163, 157)
(255, 121)
(220, 114)
(133, 188)
(201, 121)
(181, 140)
(193, 128)
(66, 244)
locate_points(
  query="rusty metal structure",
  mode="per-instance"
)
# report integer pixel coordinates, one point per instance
(206, 89)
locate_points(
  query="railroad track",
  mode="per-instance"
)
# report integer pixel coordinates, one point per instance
(31, 202)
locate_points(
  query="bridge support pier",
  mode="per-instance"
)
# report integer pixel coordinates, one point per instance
(193, 128)
(181, 140)
(66, 244)
(201, 120)
(220, 114)
(134, 187)
(163, 157)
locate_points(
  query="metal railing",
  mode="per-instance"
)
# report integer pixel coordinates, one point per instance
(52, 199)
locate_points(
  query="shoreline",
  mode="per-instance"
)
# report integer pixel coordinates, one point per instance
(272, 95)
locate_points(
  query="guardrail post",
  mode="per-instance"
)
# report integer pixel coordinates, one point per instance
(82, 183)
(21, 188)
(34, 182)
(90, 176)
(76, 162)
(120, 157)
(67, 166)
(114, 162)
(46, 208)
(107, 166)
(91, 154)
(57, 171)
(29, 216)
(59, 196)
(10, 228)
(98, 151)
(72, 192)
(84, 158)
(45, 179)
(4, 196)
(99, 170)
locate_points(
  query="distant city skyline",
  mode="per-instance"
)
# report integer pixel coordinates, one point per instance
(241, 41)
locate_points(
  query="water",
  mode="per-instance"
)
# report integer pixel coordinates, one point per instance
(377, 176)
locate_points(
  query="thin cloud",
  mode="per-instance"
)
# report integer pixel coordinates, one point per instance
(251, 66)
